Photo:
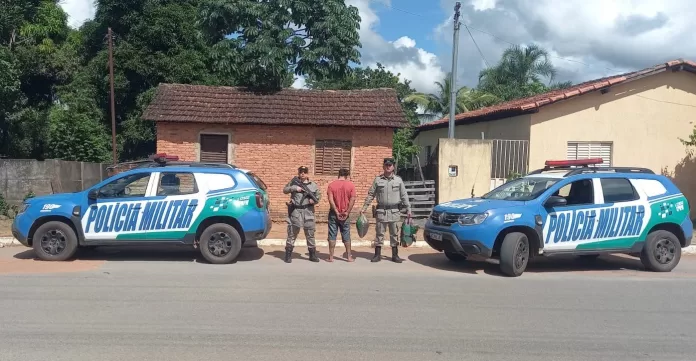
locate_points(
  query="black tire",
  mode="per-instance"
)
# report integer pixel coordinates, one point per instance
(220, 243)
(455, 257)
(514, 254)
(54, 241)
(661, 252)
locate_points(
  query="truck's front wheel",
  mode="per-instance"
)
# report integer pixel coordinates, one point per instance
(220, 243)
(514, 254)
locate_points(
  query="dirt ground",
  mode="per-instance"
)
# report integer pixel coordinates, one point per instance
(279, 231)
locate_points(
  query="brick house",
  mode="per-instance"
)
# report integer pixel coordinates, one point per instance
(273, 133)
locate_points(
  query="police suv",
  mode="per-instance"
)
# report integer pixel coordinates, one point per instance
(568, 207)
(215, 207)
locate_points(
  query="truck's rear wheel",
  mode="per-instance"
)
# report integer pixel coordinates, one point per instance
(661, 252)
(220, 243)
(514, 254)
(54, 241)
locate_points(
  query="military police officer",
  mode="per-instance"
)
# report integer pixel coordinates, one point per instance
(301, 212)
(390, 191)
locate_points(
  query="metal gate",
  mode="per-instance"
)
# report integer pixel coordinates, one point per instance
(509, 160)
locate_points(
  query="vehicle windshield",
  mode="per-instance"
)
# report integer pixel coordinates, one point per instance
(521, 189)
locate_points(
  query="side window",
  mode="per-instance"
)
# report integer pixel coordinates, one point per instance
(618, 190)
(578, 192)
(176, 184)
(134, 185)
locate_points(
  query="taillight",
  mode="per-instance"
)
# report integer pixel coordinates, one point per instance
(259, 200)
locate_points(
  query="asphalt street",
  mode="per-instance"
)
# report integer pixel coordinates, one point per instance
(171, 306)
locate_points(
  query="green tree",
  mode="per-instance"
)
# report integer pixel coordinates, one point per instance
(466, 99)
(403, 148)
(263, 43)
(519, 74)
(154, 41)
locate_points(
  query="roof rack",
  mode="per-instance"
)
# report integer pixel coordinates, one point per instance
(581, 166)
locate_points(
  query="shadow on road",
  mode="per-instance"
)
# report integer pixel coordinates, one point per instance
(161, 253)
(323, 254)
(538, 265)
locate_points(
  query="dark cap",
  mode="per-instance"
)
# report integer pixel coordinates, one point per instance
(388, 161)
(302, 169)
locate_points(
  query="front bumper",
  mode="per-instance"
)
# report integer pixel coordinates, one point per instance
(450, 243)
(18, 235)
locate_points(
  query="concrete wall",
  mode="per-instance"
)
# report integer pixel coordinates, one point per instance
(18, 177)
(643, 119)
(473, 158)
(515, 128)
(275, 152)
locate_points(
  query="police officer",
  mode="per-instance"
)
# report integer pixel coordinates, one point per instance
(390, 191)
(301, 213)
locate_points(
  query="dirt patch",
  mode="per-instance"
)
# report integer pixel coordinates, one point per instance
(16, 260)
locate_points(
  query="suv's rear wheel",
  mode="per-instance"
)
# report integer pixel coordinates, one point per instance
(661, 252)
(514, 254)
(54, 241)
(220, 243)
(455, 257)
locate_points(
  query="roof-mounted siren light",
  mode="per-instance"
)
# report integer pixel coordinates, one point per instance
(163, 158)
(573, 163)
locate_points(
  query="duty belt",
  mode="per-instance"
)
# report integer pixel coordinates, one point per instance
(395, 206)
(303, 207)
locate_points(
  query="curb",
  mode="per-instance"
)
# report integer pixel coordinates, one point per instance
(276, 242)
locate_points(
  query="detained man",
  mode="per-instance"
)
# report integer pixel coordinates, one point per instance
(341, 193)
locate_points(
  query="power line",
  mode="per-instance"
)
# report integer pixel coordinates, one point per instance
(500, 39)
(477, 47)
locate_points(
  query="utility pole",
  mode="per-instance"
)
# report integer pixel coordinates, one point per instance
(113, 107)
(453, 87)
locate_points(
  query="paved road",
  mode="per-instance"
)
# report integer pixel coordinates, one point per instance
(125, 305)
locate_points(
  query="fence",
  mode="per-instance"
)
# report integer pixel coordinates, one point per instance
(421, 195)
(508, 158)
(19, 177)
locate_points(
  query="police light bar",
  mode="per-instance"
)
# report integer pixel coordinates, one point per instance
(163, 157)
(576, 162)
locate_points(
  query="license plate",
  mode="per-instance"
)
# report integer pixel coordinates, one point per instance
(436, 236)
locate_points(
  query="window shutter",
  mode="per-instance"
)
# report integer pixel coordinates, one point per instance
(213, 148)
(584, 150)
(331, 155)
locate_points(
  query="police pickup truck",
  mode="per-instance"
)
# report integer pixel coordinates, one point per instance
(215, 207)
(568, 207)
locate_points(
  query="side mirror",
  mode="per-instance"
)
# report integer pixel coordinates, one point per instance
(555, 201)
(93, 194)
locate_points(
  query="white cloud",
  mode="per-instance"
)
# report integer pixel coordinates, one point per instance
(609, 37)
(398, 56)
(78, 11)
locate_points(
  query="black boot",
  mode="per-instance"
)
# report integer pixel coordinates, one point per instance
(395, 255)
(288, 254)
(313, 255)
(378, 254)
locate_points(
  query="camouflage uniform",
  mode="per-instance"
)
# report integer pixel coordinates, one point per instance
(390, 193)
(302, 216)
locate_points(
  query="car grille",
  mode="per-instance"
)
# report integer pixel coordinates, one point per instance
(447, 220)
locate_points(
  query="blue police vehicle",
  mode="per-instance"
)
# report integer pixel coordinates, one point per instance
(215, 207)
(568, 207)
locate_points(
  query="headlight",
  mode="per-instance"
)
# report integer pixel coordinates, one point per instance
(472, 219)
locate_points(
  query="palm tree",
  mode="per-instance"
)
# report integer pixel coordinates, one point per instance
(466, 99)
(519, 73)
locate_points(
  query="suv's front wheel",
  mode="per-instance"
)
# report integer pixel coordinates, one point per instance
(220, 243)
(661, 252)
(54, 241)
(514, 254)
